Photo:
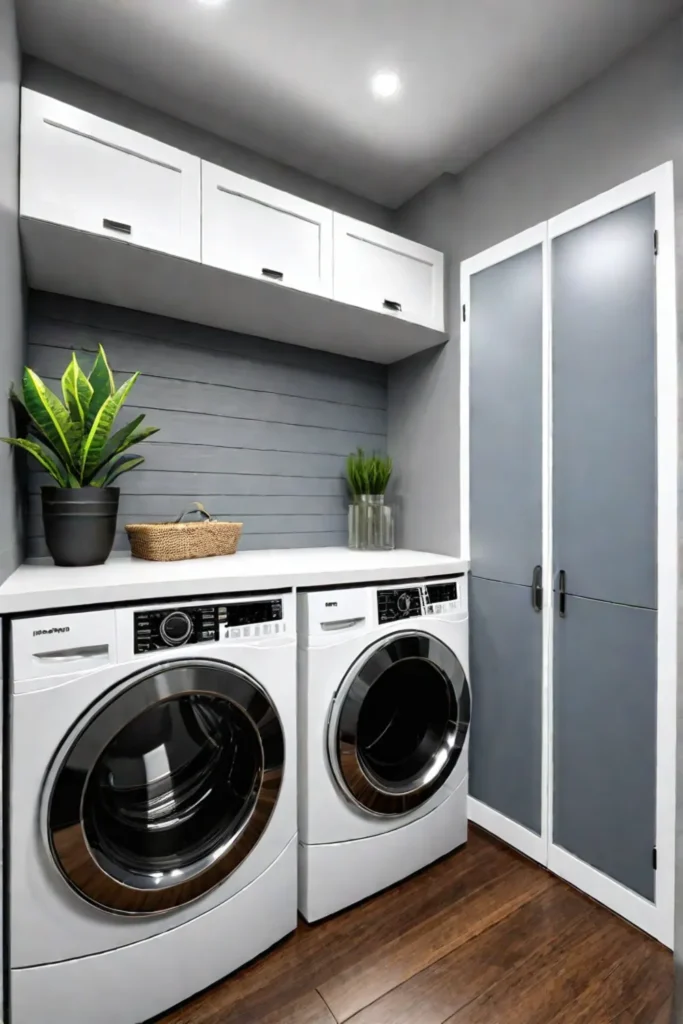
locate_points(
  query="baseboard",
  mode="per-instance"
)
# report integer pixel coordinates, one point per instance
(511, 832)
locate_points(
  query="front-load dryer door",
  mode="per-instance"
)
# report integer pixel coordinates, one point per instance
(398, 723)
(166, 788)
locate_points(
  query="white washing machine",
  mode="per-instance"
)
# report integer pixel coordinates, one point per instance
(384, 712)
(153, 803)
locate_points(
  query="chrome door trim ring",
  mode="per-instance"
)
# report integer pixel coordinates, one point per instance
(353, 777)
(69, 846)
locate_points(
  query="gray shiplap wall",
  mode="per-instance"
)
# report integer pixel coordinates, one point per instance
(256, 430)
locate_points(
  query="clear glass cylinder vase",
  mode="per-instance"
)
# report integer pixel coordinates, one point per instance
(370, 524)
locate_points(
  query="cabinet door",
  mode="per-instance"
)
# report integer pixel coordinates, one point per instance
(605, 724)
(253, 229)
(87, 173)
(604, 407)
(506, 331)
(383, 272)
(507, 700)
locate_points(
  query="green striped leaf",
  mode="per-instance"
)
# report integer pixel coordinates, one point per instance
(95, 442)
(101, 381)
(38, 453)
(122, 465)
(125, 438)
(51, 418)
(77, 391)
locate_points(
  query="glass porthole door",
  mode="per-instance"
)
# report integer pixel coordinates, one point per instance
(167, 788)
(399, 724)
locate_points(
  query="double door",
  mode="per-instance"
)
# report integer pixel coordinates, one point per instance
(569, 354)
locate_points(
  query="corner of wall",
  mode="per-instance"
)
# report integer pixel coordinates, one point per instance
(11, 281)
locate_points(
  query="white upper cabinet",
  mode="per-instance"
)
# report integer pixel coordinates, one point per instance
(253, 259)
(381, 271)
(251, 228)
(87, 173)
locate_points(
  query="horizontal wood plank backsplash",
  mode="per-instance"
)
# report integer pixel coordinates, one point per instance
(255, 429)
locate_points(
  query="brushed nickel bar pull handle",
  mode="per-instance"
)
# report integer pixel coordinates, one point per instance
(342, 623)
(537, 589)
(75, 654)
(562, 587)
(117, 225)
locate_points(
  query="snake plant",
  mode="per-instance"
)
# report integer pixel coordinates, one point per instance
(72, 439)
(368, 474)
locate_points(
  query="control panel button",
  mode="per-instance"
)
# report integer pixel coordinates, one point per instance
(176, 628)
(398, 604)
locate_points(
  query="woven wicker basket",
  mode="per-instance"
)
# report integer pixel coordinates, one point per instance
(171, 542)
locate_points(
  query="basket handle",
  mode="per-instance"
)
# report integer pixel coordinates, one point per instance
(196, 506)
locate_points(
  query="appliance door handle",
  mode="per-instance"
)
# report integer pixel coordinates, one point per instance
(537, 589)
(274, 275)
(562, 589)
(391, 304)
(335, 624)
(75, 654)
(117, 225)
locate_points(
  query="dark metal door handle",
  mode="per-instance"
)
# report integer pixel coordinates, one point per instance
(562, 587)
(274, 275)
(537, 589)
(117, 225)
(390, 304)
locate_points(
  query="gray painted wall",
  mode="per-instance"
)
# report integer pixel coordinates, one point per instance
(11, 288)
(62, 85)
(624, 122)
(256, 430)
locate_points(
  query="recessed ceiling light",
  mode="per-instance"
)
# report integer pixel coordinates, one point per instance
(385, 84)
(211, 3)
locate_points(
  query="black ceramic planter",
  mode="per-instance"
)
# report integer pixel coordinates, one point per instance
(80, 523)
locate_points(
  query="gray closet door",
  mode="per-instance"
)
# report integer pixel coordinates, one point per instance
(506, 724)
(505, 313)
(604, 416)
(605, 719)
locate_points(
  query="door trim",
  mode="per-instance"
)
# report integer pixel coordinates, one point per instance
(522, 838)
(657, 918)
(518, 836)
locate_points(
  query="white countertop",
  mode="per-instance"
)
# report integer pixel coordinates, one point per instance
(44, 586)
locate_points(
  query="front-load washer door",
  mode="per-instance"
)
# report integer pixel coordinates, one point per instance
(398, 723)
(166, 788)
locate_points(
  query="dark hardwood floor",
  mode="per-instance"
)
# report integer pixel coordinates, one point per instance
(482, 937)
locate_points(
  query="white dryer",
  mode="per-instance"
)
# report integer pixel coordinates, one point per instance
(153, 803)
(384, 712)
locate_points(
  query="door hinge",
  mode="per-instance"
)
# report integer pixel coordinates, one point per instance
(656, 243)
(464, 313)
(654, 858)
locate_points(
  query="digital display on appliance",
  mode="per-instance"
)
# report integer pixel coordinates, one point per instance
(246, 614)
(438, 593)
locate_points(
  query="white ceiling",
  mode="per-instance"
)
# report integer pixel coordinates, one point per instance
(290, 78)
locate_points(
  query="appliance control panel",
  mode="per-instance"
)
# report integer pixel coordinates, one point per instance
(409, 602)
(440, 597)
(159, 628)
(403, 603)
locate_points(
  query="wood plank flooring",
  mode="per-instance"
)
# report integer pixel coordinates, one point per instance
(482, 937)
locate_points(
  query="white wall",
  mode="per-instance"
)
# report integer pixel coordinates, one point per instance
(62, 85)
(11, 296)
(624, 122)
